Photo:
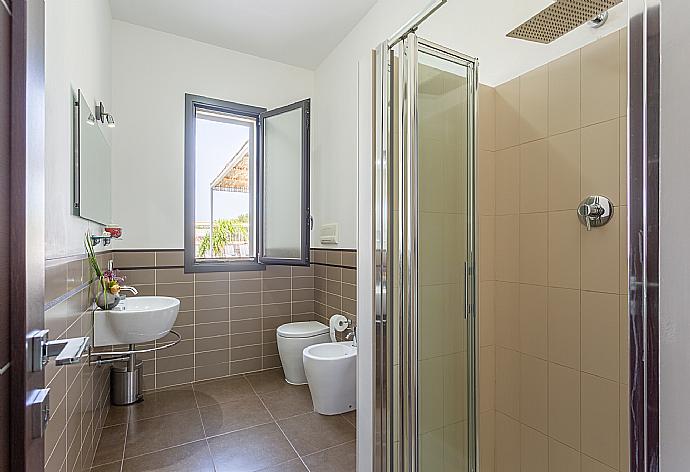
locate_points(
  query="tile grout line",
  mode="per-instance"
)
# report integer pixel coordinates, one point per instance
(203, 427)
(276, 423)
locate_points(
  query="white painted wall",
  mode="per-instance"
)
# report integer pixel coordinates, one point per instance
(77, 57)
(152, 71)
(675, 228)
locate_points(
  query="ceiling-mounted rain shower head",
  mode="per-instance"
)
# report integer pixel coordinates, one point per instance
(560, 18)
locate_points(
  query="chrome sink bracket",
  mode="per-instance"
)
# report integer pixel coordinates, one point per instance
(595, 211)
(124, 355)
(65, 351)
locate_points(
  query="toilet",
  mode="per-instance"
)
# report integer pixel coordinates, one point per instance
(293, 338)
(331, 370)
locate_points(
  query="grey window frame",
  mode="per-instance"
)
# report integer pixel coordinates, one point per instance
(258, 114)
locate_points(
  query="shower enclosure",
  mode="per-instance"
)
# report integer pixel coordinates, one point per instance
(425, 257)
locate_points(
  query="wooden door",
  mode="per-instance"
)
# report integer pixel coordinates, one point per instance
(5, 79)
(26, 222)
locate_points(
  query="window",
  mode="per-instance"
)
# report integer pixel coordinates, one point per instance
(246, 185)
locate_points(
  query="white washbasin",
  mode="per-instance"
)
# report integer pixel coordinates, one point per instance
(135, 320)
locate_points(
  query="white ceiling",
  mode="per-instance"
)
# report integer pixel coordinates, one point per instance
(297, 32)
(479, 28)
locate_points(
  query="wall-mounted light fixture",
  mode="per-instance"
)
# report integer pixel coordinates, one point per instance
(103, 116)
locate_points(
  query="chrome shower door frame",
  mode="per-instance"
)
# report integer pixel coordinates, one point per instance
(403, 264)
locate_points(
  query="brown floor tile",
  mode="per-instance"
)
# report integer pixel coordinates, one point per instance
(314, 432)
(111, 445)
(295, 465)
(342, 458)
(112, 467)
(187, 458)
(213, 392)
(117, 415)
(233, 415)
(287, 402)
(250, 449)
(268, 381)
(351, 417)
(161, 432)
(163, 402)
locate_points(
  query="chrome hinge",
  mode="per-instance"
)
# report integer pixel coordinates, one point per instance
(39, 403)
(65, 351)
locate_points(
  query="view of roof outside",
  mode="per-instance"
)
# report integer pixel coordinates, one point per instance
(222, 189)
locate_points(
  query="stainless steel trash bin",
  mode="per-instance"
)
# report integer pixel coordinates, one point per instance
(126, 383)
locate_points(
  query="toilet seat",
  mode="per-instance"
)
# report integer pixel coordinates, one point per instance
(292, 338)
(302, 329)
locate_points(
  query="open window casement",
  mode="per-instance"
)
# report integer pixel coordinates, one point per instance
(283, 176)
(262, 157)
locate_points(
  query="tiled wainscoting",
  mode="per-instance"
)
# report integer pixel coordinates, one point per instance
(227, 320)
(79, 394)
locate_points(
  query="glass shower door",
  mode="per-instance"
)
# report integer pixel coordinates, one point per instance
(425, 233)
(445, 369)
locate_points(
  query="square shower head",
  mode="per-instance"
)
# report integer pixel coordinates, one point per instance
(560, 18)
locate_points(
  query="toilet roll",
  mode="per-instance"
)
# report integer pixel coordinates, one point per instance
(337, 323)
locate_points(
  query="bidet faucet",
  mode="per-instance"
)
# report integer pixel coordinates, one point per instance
(352, 335)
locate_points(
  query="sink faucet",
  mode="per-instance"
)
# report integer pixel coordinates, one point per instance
(352, 335)
(127, 288)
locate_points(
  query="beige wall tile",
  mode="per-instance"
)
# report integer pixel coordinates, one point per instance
(623, 160)
(600, 161)
(454, 388)
(507, 306)
(487, 247)
(563, 458)
(599, 334)
(486, 183)
(534, 392)
(431, 327)
(507, 181)
(599, 257)
(590, 465)
(623, 249)
(486, 440)
(564, 405)
(534, 450)
(487, 118)
(534, 104)
(487, 378)
(507, 248)
(487, 313)
(533, 176)
(508, 382)
(599, 80)
(533, 320)
(564, 326)
(600, 421)
(564, 171)
(564, 93)
(507, 444)
(508, 114)
(533, 248)
(623, 71)
(564, 249)
(431, 247)
(431, 394)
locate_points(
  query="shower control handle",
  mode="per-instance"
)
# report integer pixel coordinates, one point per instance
(595, 211)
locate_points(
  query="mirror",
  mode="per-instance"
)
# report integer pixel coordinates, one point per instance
(92, 199)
